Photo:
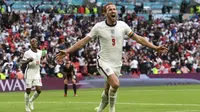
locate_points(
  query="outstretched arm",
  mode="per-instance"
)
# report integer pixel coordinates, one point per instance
(78, 45)
(73, 48)
(93, 32)
(146, 43)
(143, 41)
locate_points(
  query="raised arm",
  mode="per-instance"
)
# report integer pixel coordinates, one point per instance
(12, 4)
(31, 6)
(37, 6)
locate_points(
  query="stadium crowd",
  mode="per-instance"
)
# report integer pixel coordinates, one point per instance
(59, 31)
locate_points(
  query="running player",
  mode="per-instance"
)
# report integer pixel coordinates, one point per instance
(110, 34)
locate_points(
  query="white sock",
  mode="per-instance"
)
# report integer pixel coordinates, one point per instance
(35, 95)
(112, 99)
(103, 103)
(26, 97)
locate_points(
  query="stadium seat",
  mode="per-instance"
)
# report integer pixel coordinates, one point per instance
(154, 5)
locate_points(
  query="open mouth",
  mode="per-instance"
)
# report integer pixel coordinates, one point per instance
(113, 15)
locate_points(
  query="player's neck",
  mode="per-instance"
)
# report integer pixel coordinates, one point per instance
(109, 23)
(34, 50)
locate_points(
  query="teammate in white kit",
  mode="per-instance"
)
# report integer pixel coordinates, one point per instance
(111, 34)
(32, 76)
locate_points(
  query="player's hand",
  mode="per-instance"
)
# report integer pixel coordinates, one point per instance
(29, 60)
(161, 49)
(61, 55)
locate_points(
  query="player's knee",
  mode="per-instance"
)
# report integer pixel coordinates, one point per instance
(39, 91)
(115, 86)
(28, 92)
(113, 81)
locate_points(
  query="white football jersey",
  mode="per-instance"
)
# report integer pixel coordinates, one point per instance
(33, 68)
(111, 40)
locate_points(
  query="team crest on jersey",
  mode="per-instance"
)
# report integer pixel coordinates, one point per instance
(112, 31)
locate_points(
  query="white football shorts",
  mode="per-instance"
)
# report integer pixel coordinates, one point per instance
(33, 82)
(106, 69)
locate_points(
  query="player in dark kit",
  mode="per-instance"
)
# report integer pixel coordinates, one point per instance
(68, 72)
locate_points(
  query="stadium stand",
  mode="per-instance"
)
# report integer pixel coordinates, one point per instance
(62, 25)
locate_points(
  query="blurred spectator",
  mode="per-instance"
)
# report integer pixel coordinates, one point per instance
(183, 6)
(184, 69)
(19, 75)
(198, 68)
(173, 66)
(125, 67)
(8, 7)
(81, 60)
(134, 66)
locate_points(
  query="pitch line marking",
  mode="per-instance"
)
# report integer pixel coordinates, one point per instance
(151, 90)
(185, 111)
(122, 103)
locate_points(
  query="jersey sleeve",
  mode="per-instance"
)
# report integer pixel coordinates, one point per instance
(26, 56)
(128, 30)
(93, 32)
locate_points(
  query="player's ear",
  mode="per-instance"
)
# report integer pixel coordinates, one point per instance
(104, 13)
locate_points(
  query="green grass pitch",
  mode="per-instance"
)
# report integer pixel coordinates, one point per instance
(134, 99)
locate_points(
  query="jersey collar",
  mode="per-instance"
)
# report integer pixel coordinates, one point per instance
(34, 50)
(110, 25)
